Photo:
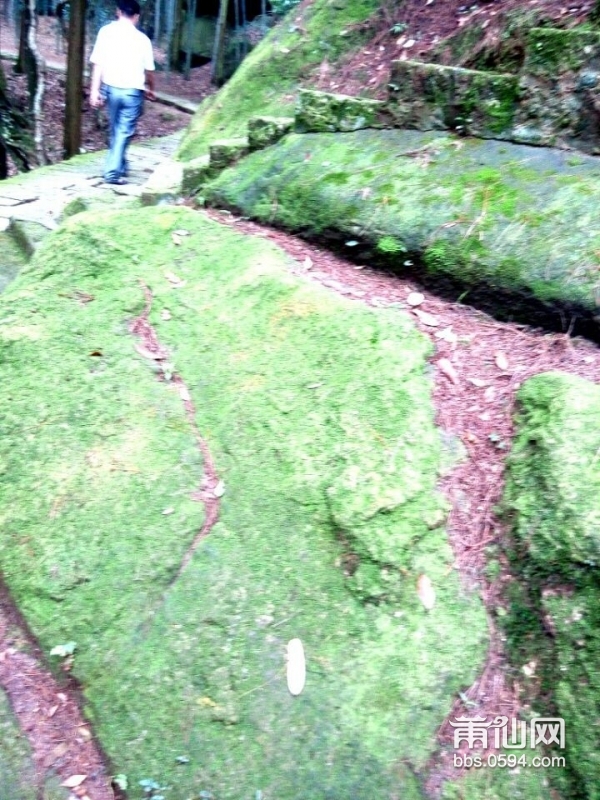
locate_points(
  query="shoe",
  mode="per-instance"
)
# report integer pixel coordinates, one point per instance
(116, 181)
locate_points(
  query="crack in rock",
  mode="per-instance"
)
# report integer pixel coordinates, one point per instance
(208, 492)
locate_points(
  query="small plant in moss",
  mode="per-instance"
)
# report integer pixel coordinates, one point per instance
(390, 246)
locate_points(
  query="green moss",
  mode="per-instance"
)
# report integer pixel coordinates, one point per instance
(470, 209)
(557, 502)
(321, 112)
(319, 418)
(432, 96)
(390, 246)
(551, 501)
(267, 80)
(13, 254)
(17, 772)
(552, 50)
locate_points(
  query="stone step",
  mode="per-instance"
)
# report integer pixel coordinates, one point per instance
(429, 96)
(225, 152)
(324, 112)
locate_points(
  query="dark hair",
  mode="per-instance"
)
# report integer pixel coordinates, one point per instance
(130, 8)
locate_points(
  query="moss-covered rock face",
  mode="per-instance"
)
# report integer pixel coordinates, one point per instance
(436, 97)
(12, 253)
(18, 777)
(267, 80)
(483, 214)
(553, 502)
(265, 131)
(225, 152)
(322, 112)
(17, 772)
(319, 419)
(555, 469)
(559, 87)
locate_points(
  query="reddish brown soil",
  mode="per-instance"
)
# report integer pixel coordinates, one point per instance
(425, 25)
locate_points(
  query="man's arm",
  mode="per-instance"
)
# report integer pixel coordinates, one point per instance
(95, 96)
(149, 77)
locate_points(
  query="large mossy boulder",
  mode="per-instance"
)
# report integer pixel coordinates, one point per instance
(266, 83)
(318, 416)
(519, 222)
(552, 502)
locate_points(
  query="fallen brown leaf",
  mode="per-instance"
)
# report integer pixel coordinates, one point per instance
(501, 361)
(427, 319)
(447, 368)
(73, 781)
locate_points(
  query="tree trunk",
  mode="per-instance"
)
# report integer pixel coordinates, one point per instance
(157, 22)
(26, 62)
(3, 108)
(219, 49)
(35, 100)
(74, 88)
(175, 33)
(14, 134)
(191, 21)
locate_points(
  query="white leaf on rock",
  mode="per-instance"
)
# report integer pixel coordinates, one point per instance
(426, 592)
(296, 667)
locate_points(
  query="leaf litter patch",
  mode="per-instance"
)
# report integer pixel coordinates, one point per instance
(48, 712)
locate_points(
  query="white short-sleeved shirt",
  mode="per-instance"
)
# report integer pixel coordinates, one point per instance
(123, 54)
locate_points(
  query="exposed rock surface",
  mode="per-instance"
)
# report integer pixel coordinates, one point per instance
(318, 415)
(552, 500)
(521, 222)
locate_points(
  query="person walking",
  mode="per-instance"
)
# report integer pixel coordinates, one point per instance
(122, 74)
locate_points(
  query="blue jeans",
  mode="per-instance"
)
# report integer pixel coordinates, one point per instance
(124, 108)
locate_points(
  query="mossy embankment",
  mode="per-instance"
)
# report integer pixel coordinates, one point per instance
(267, 80)
(18, 778)
(513, 228)
(12, 253)
(16, 765)
(319, 418)
(552, 614)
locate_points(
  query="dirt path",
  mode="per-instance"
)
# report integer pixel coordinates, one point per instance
(477, 366)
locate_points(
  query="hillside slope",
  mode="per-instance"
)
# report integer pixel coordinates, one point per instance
(349, 47)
